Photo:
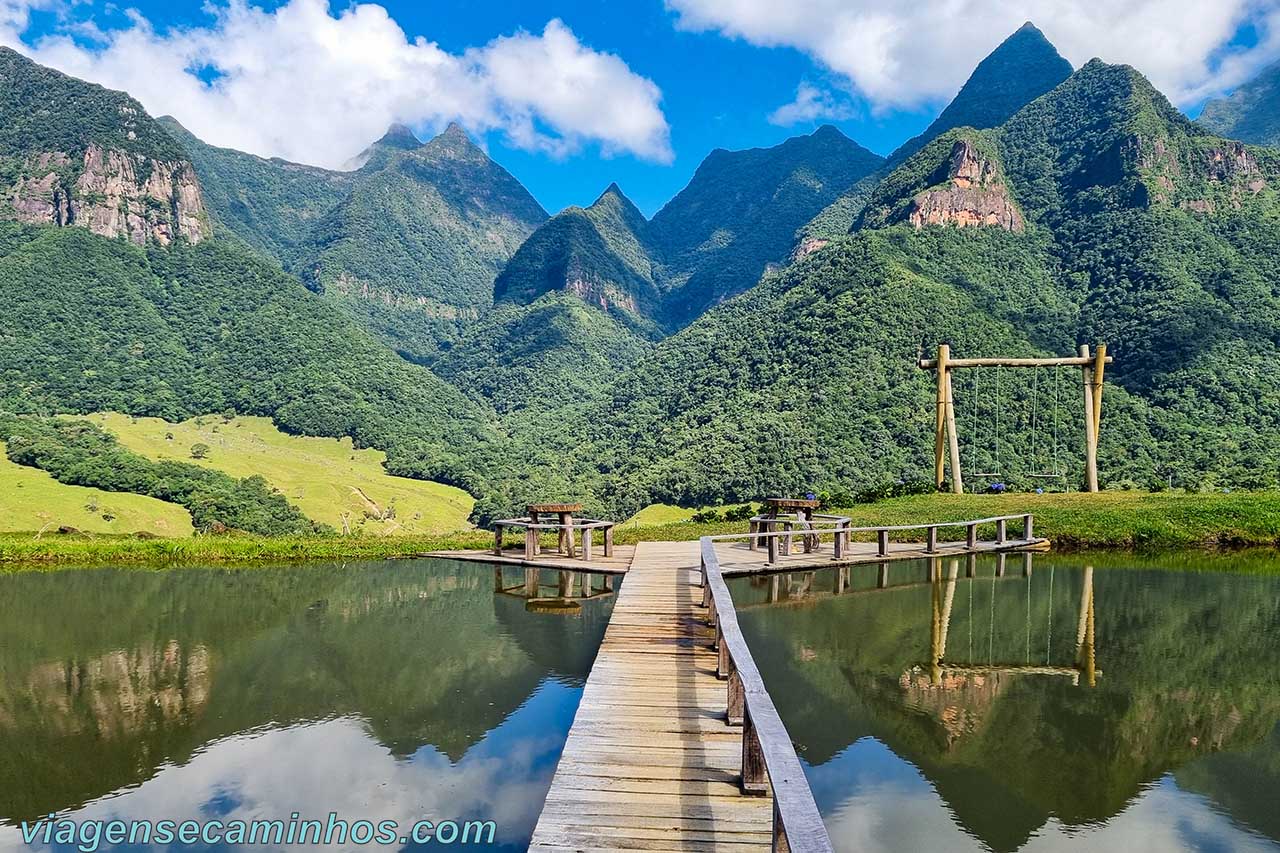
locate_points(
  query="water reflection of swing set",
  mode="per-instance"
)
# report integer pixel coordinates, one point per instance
(571, 589)
(947, 674)
(947, 442)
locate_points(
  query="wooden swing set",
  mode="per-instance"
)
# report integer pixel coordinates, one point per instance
(947, 443)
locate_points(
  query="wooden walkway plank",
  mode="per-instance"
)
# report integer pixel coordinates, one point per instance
(650, 762)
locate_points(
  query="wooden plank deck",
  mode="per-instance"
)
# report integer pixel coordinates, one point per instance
(650, 762)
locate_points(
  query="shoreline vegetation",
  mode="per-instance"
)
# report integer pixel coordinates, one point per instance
(1142, 522)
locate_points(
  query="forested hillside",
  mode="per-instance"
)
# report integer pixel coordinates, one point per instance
(1094, 212)
(1120, 221)
(408, 244)
(1022, 68)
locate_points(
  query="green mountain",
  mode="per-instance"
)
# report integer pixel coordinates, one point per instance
(179, 327)
(1097, 212)
(712, 241)
(76, 154)
(600, 254)
(1022, 68)
(408, 244)
(740, 212)
(270, 204)
(1251, 113)
(412, 252)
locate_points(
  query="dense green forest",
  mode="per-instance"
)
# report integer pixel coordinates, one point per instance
(1102, 214)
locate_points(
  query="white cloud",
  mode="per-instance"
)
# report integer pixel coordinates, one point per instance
(903, 54)
(811, 104)
(306, 84)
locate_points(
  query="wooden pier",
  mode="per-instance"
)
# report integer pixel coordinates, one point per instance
(676, 744)
(650, 762)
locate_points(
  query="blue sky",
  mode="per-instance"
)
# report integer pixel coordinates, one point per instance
(659, 85)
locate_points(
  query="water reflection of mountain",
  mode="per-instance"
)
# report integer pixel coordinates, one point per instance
(106, 675)
(1188, 680)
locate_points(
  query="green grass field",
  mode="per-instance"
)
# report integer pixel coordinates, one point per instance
(1110, 521)
(32, 500)
(326, 478)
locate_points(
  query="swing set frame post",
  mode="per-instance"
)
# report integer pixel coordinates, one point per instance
(946, 447)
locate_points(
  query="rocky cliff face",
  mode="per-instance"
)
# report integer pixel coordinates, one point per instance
(969, 191)
(112, 193)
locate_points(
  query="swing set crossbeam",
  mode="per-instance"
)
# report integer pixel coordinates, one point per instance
(1072, 361)
(1092, 365)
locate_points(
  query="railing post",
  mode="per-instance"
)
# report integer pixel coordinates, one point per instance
(841, 532)
(497, 540)
(772, 543)
(722, 659)
(786, 540)
(1028, 531)
(754, 527)
(713, 618)
(1002, 531)
(530, 542)
(706, 587)
(736, 697)
(754, 774)
(586, 543)
(971, 537)
(780, 844)
(931, 540)
(882, 543)
(608, 541)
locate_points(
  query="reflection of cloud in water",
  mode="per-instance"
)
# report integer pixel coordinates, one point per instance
(337, 766)
(870, 805)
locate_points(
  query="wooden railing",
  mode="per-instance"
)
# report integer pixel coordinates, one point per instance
(533, 530)
(840, 528)
(768, 757)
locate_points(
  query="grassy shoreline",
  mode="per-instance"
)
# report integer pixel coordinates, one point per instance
(1132, 521)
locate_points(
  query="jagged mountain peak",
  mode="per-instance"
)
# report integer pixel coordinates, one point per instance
(399, 136)
(1023, 67)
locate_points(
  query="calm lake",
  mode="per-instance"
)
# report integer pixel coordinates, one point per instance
(383, 690)
(1074, 707)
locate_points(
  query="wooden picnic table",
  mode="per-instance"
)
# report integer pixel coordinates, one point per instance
(801, 508)
(564, 513)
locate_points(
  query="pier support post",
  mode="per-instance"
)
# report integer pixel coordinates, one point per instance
(754, 774)
(497, 579)
(1026, 564)
(882, 576)
(565, 586)
(722, 657)
(531, 583)
(736, 697)
(1000, 561)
